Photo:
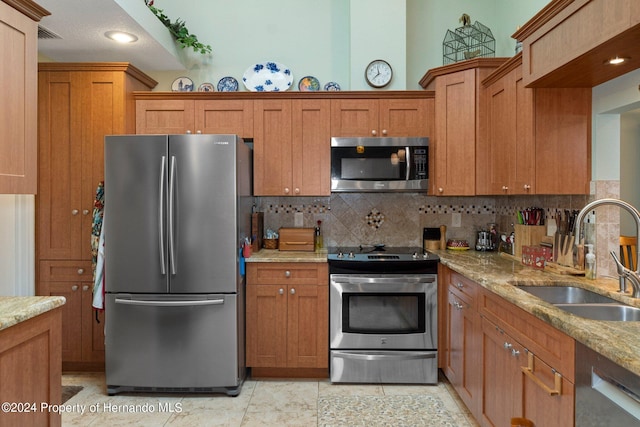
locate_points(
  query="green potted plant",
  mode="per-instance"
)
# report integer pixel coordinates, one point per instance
(179, 31)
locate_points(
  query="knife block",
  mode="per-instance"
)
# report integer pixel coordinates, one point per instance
(528, 235)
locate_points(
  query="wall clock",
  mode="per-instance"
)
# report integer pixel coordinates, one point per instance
(378, 73)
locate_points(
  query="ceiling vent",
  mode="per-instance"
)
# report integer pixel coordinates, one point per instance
(44, 33)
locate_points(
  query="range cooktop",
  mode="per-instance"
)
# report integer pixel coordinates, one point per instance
(379, 253)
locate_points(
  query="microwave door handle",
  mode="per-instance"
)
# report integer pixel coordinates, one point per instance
(407, 155)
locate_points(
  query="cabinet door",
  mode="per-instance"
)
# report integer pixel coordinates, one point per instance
(354, 117)
(18, 133)
(60, 199)
(71, 319)
(406, 117)
(463, 356)
(308, 326)
(454, 146)
(311, 147)
(524, 163)
(172, 116)
(502, 376)
(563, 140)
(92, 327)
(272, 175)
(224, 117)
(266, 325)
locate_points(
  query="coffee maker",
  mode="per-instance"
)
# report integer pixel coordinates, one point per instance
(487, 240)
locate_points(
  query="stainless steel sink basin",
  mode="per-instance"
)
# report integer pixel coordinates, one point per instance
(567, 295)
(614, 312)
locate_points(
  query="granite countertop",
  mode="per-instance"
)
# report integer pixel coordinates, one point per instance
(618, 341)
(14, 310)
(274, 255)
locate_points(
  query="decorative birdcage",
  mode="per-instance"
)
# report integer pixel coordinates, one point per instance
(468, 41)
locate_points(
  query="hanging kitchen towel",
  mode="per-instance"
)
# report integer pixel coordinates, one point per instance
(97, 248)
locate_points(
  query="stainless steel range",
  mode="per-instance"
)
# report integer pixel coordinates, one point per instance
(383, 315)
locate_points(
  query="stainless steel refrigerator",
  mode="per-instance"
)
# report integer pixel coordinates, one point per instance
(176, 210)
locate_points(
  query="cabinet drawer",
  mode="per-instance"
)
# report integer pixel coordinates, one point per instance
(551, 345)
(283, 273)
(65, 271)
(463, 287)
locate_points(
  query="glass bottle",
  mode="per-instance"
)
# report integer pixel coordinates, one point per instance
(319, 242)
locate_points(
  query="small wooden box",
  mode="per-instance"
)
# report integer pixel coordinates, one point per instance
(528, 235)
(297, 239)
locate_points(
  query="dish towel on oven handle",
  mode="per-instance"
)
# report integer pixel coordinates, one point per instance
(97, 248)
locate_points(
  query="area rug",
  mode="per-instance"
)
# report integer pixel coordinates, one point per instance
(68, 391)
(412, 410)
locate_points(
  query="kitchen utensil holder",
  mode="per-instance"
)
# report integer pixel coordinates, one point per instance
(528, 235)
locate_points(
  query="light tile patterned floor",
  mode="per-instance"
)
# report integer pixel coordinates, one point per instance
(269, 403)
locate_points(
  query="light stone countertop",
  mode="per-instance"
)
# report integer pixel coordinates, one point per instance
(618, 341)
(14, 310)
(275, 255)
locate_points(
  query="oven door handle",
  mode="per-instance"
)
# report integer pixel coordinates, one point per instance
(375, 355)
(351, 279)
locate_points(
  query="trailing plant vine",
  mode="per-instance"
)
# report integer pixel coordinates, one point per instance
(179, 31)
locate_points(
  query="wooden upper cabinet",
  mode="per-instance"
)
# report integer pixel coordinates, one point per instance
(565, 44)
(382, 117)
(233, 116)
(18, 113)
(166, 116)
(292, 147)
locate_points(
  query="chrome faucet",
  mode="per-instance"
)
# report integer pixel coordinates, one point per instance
(624, 273)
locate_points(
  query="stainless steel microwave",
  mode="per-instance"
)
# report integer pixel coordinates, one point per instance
(379, 164)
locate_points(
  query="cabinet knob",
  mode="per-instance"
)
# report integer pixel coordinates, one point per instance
(505, 188)
(459, 285)
(188, 131)
(527, 187)
(85, 212)
(287, 273)
(286, 190)
(199, 132)
(80, 270)
(384, 132)
(74, 212)
(296, 190)
(440, 189)
(74, 288)
(374, 132)
(457, 305)
(85, 288)
(515, 353)
(293, 291)
(507, 345)
(281, 291)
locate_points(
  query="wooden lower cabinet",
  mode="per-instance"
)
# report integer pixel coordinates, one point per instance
(503, 362)
(287, 317)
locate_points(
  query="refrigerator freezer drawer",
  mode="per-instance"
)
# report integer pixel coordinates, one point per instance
(173, 343)
(384, 367)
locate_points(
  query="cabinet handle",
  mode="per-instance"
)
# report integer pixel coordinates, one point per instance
(293, 291)
(557, 386)
(85, 212)
(507, 345)
(374, 132)
(287, 273)
(458, 305)
(281, 291)
(459, 285)
(74, 288)
(384, 132)
(440, 189)
(81, 271)
(188, 131)
(199, 132)
(286, 190)
(74, 212)
(527, 187)
(85, 288)
(515, 353)
(505, 188)
(296, 190)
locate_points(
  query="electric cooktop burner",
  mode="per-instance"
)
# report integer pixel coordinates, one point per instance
(379, 253)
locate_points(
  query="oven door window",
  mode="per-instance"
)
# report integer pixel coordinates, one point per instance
(387, 313)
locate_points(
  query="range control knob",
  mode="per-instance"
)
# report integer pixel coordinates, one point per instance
(351, 255)
(415, 255)
(340, 255)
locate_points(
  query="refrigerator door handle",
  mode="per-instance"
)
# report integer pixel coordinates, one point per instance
(170, 303)
(172, 190)
(163, 172)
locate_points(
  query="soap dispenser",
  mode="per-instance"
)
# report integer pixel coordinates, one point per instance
(590, 263)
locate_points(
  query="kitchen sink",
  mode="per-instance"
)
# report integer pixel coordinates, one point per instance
(615, 312)
(567, 295)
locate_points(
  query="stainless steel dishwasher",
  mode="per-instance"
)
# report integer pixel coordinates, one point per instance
(606, 393)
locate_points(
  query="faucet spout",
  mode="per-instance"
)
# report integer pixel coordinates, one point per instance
(632, 276)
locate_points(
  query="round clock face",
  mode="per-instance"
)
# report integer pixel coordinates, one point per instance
(378, 73)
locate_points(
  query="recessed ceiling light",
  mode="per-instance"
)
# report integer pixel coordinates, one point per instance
(121, 36)
(615, 61)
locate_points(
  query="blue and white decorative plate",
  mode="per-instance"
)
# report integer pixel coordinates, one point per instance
(182, 84)
(227, 84)
(332, 86)
(267, 77)
(308, 84)
(206, 87)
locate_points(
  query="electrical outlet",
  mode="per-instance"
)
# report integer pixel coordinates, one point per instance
(456, 219)
(298, 219)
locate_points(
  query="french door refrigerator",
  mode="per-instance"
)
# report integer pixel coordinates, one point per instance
(177, 208)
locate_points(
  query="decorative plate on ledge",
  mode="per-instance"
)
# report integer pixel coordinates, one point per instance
(267, 77)
(206, 87)
(182, 84)
(228, 84)
(308, 84)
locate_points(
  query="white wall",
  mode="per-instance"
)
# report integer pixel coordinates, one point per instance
(17, 247)
(629, 167)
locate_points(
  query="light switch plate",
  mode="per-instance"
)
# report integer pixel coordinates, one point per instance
(456, 219)
(298, 219)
